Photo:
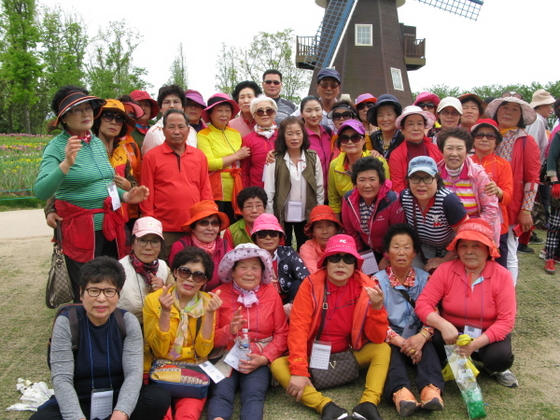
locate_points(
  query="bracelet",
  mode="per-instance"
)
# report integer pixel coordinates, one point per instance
(426, 334)
(122, 412)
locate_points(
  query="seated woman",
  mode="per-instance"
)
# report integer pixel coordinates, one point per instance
(252, 202)
(251, 302)
(118, 360)
(476, 296)
(145, 273)
(359, 325)
(171, 321)
(370, 208)
(289, 269)
(323, 224)
(203, 231)
(435, 212)
(409, 340)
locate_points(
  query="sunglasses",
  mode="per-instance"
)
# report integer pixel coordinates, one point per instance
(512, 95)
(426, 180)
(354, 138)
(267, 111)
(489, 136)
(346, 115)
(367, 105)
(326, 85)
(273, 82)
(347, 258)
(197, 276)
(206, 222)
(264, 233)
(110, 116)
(428, 105)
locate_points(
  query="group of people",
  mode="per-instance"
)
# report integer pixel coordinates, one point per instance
(294, 226)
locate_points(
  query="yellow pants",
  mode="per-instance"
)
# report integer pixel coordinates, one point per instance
(374, 357)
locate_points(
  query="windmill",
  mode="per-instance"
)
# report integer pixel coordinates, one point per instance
(365, 42)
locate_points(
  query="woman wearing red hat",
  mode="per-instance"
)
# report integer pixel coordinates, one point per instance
(364, 103)
(359, 325)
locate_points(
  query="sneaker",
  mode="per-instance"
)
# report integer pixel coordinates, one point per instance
(331, 411)
(431, 398)
(506, 378)
(535, 240)
(405, 402)
(366, 411)
(549, 267)
(525, 249)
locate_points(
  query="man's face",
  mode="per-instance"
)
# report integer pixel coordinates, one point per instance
(176, 130)
(272, 85)
(328, 88)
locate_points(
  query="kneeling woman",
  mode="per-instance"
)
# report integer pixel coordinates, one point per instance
(171, 326)
(104, 358)
(354, 320)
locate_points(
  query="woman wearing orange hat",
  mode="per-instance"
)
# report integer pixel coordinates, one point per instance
(203, 231)
(476, 296)
(323, 224)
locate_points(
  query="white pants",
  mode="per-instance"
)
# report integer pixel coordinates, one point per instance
(512, 262)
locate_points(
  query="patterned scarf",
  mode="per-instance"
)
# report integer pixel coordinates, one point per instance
(144, 269)
(142, 128)
(505, 148)
(194, 309)
(246, 297)
(267, 132)
(209, 248)
(86, 138)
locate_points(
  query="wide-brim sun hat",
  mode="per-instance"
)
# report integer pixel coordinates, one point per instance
(75, 98)
(266, 221)
(132, 108)
(541, 97)
(355, 124)
(202, 210)
(142, 95)
(529, 114)
(118, 107)
(429, 118)
(146, 226)
(244, 252)
(385, 99)
(218, 99)
(473, 97)
(320, 213)
(486, 122)
(452, 102)
(341, 244)
(476, 230)
(422, 164)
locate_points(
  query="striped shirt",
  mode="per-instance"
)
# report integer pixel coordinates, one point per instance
(462, 186)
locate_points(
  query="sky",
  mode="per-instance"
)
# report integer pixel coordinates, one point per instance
(512, 41)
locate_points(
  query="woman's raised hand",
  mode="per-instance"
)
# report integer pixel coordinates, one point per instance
(136, 194)
(73, 146)
(237, 322)
(166, 299)
(375, 295)
(214, 303)
(243, 152)
(156, 283)
(270, 158)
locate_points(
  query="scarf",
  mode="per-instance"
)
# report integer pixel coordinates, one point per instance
(142, 128)
(144, 269)
(454, 173)
(194, 309)
(505, 148)
(246, 297)
(267, 132)
(209, 248)
(86, 138)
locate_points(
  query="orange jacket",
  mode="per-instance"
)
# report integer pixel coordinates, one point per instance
(368, 324)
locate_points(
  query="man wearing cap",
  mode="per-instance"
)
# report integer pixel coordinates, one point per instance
(177, 176)
(193, 109)
(150, 108)
(272, 85)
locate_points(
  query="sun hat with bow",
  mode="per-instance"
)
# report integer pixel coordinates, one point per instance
(244, 252)
(413, 109)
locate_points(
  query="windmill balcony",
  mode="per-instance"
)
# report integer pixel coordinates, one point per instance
(306, 55)
(414, 53)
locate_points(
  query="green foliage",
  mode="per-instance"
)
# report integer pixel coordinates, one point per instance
(179, 74)
(228, 75)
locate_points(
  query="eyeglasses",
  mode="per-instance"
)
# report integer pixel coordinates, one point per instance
(96, 291)
(428, 105)
(347, 258)
(264, 233)
(354, 138)
(110, 116)
(327, 85)
(206, 222)
(489, 136)
(267, 111)
(512, 95)
(367, 105)
(154, 243)
(273, 82)
(197, 276)
(426, 180)
(254, 207)
(81, 111)
(346, 115)
(452, 113)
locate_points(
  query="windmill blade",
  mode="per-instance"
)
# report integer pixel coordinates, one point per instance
(464, 8)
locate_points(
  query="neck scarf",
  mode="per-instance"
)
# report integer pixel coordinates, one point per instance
(194, 309)
(86, 138)
(209, 248)
(146, 270)
(246, 297)
(454, 172)
(267, 132)
(142, 128)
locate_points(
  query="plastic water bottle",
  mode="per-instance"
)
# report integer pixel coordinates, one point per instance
(244, 344)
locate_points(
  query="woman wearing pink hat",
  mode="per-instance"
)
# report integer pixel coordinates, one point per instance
(250, 302)
(359, 325)
(364, 103)
(476, 296)
(222, 146)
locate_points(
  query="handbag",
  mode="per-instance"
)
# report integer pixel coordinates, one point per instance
(343, 367)
(59, 286)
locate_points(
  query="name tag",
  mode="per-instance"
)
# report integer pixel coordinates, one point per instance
(320, 356)
(101, 403)
(114, 194)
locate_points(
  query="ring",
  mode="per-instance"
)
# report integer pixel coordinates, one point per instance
(412, 351)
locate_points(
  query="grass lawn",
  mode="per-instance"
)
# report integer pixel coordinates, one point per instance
(25, 323)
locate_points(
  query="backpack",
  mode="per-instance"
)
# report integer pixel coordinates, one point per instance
(72, 310)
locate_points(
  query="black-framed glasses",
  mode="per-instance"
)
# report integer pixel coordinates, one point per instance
(346, 115)
(206, 222)
(363, 105)
(354, 138)
(110, 116)
(425, 179)
(489, 136)
(261, 234)
(96, 291)
(267, 111)
(427, 105)
(186, 272)
(143, 242)
(346, 258)
(273, 82)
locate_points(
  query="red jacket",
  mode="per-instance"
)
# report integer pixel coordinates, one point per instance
(368, 325)
(398, 162)
(253, 166)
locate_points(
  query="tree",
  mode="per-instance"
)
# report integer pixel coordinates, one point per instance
(20, 69)
(179, 74)
(111, 71)
(228, 75)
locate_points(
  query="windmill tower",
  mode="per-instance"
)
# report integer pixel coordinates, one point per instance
(371, 50)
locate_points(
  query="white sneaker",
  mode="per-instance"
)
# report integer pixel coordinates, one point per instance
(506, 378)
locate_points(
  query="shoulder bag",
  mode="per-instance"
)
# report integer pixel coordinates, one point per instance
(59, 286)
